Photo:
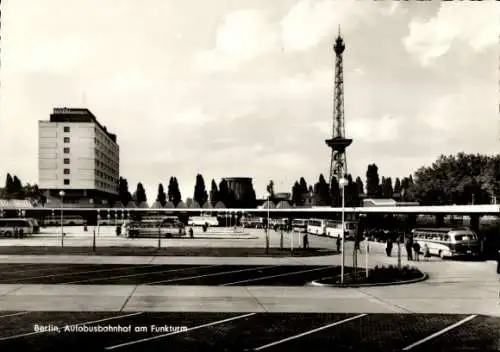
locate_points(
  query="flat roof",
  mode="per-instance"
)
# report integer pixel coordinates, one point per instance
(73, 115)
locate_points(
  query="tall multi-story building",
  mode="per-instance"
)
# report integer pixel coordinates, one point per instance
(79, 156)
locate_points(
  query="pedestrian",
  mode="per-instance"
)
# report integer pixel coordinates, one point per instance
(191, 232)
(408, 246)
(427, 252)
(416, 248)
(388, 247)
(305, 241)
(338, 244)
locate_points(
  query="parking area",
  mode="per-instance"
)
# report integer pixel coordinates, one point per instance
(209, 275)
(244, 332)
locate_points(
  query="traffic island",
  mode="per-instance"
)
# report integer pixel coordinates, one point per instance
(166, 251)
(378, 276)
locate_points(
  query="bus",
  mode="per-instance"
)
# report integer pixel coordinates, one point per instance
(17, 227)
(334, 229)
(162, 228)
(299, 225)
(202, 220)
(316, 227)
(67, 220)
(252, 222)
(448, 242)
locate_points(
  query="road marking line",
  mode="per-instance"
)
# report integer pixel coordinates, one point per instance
(277, 275)
(13, 314)
(430, 337)
(211, 274)
(61, 327)
(178, 332)
(139, 274)
(78, 272)
(309, 332)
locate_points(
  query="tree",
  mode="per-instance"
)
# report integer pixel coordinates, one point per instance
(296, 194)
(214, 194)
(372, 181)
(17, 188)
(123, 192)
(460, 179)
(140, 194)
(175, 196)
(161, 197)
(189, 202)
(397, 185)
(322, 192)
(387, 190)
(359, 183)
(335, 193)
(223, 192)
(270, 189)
(200, 193)
(303, 190)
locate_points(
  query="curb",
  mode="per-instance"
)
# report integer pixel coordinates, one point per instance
(424, 277)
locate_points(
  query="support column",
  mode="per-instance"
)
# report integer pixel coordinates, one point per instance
(439, 220)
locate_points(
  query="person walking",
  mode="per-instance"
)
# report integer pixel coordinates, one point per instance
(408, 246)
(388, 247)
(427, 252)
(306, 241)
(338, 244)
(416, 248)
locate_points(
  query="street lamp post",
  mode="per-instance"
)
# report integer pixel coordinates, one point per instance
(267, 227)
(343, 183)
(61, 194)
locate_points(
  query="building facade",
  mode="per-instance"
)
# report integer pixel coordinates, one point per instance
(79, 156)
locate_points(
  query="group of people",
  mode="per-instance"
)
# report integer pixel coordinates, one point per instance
(413, 249)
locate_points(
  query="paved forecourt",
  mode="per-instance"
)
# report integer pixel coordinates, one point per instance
(452, 287)
(255, 331)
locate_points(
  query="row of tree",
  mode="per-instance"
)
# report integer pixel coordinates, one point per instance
(454, 179)
(221, 193)
(14, 189)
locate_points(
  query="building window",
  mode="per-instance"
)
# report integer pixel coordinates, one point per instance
(66, 160)
(66, 171)
(66, 139)
(66, 128)
(66, 181)
(66, 150)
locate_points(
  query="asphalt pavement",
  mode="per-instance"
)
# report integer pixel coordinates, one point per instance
(209, 275)
(134, 331)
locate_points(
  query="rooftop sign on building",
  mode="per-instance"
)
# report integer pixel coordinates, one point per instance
(71, 111)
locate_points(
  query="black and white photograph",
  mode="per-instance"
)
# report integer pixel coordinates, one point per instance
(229, 175)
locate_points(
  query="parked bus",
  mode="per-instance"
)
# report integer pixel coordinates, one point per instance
(316, 227)
(448, 242)
(165, 228)
(17, 228)
(334, 229)
(299, 225)
(252, 222)
(202, 220)
(67, 220)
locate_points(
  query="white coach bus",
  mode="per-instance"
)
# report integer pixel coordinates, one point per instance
(316, 227)
(202, 220)
(299, 225)
(334, 229)
(17, 228)
(448, 242)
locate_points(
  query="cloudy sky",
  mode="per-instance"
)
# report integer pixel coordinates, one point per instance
(244, 88)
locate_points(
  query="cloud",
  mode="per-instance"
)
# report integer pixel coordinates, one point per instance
(244, 35)
(475, 26)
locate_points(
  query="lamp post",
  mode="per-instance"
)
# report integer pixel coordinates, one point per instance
(267, 227)
(61, 194)
(342, 183)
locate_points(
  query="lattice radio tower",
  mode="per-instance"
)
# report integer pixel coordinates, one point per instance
(338, 143)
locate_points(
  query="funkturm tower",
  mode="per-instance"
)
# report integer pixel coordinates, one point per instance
(338, 143)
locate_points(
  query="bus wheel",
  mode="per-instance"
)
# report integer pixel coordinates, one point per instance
(8, 234)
